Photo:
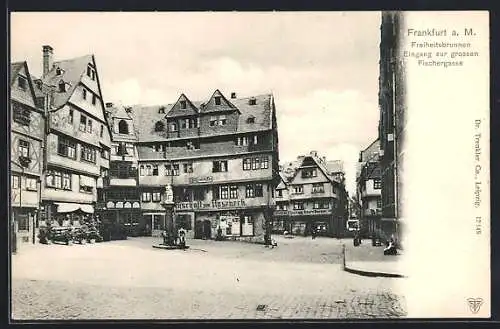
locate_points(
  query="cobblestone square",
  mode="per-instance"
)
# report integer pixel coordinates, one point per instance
(300, 279)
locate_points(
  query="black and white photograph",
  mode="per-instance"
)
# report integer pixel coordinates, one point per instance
(228, 165)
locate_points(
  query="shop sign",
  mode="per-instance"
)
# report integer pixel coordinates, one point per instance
(310, 212)
(207, 179)
(127, 205)
(281, 213)
(110, 204)
(136, 205)
(216, 205)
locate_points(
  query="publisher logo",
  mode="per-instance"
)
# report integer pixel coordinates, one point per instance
(474, 304)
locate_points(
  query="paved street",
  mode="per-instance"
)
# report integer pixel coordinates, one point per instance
(301, 278)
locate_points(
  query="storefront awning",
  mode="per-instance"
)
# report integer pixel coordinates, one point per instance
(70, 207)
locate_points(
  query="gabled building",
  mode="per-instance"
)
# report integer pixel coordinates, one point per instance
(27, 122)
(318, 198)
(369, 189)
(281, 218)
(221, 158)
(119, 200)
(77, 137)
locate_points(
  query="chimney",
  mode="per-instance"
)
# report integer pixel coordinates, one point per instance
(313, 153)
(109, 104)
(300, 157)
(233, 95)
(324, 159)
(48, 59)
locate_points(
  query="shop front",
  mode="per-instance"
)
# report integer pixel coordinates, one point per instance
(66, 214)
(281, 222)
(25, 224)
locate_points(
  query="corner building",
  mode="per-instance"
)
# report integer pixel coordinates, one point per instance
(221, 158)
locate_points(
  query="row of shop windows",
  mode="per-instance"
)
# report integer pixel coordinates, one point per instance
(62, 180)
(30, 183)
(67, 148)
(217, 166)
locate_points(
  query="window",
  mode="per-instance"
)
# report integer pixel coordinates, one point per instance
(379, 203)
(318, 188)
(219, 166)
(15, 181)
(321, 205)
(21, 114)
(188, 167)
(159, 126)
(168, 170)
(149, 171)
(173, 126)
(251, 120)
(265, 163)
(30, 184)
(255, 163)
(217, 100)
(84, 93)
(242, 141)
(279, 193)
(175, 169)
(94, 99)
(224, 192)
(249, 191)
(199, 194)
(146, 196)
(66, 181)
(215, 193)
(193, 123)
(213, 121)
(247, 163)
(102, 130)
(89, 126)
(83, 122)
(24, 148)
(123, 127)
(86, 189)
(91, 72)
(297, 189)
(252, 101)
(183, 105)
(377, 184)
(255, 140)
(104, 172)
(222, 120)
(233, 192)
(88, 154)
(298, 206)
(156, 196)
(193, 145)
(155, 170)
(21, 81)
(259, 191)
(308, 173)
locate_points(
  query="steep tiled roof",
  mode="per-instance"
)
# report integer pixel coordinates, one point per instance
(145, 117)
(176, 110)
(370, 153)
(72, 71)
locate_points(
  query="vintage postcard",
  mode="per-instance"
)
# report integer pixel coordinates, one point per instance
(249, 165)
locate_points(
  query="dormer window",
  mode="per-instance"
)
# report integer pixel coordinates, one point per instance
(62, 86)
(161, 110)
(251, 119)
(59, 71)
(123, 127)
(217, 100)
(173, 126)
(159, 126)
(23, 84)
(91, 72)
(252, 101)
(183, 105)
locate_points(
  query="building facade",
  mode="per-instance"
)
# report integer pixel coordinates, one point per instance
(119, 202)
(369, 190)
(316, 196)
(27, 122)
(392, 122)
(77, 137)
(219, 156)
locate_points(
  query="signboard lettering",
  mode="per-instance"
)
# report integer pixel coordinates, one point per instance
(210, 205)
(207, 179)
(310, 212)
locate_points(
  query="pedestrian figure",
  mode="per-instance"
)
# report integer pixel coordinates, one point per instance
(182, 237)
(313, 233)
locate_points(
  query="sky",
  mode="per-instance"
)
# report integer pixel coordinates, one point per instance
(322, 67)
